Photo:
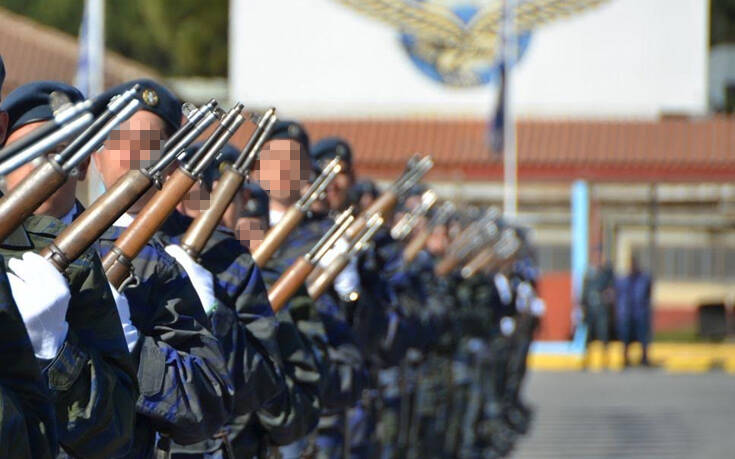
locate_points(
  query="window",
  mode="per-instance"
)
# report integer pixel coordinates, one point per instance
(690, 263)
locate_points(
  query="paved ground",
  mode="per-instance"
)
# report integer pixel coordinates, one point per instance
(632, 414)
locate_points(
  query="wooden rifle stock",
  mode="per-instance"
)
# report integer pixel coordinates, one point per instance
(276, 235)
(288, 283)
(478, 262)
(384, 205)
(415, 245)
(327, 276)
(118, 261)
(30, 193)
(88, 227)
(203, 226)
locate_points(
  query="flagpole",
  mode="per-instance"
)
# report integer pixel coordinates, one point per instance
(510, 154)
(96, 46)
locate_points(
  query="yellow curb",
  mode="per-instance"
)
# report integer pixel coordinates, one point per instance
(689, 364)
(553, 362)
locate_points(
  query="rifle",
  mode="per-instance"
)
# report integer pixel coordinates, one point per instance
(68, 120)
(118, 262)
(418, 242)
(51, 174)
(470, 239)
(293, 216)
(358, 243)
(408, 221)
(229, 184)
(504, 248)
(296, 274)
(384, 205)
(105, 210)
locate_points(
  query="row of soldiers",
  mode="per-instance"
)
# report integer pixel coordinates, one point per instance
(254, 302)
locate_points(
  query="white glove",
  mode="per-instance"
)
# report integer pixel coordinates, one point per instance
(123, 310)
(507, 326)
(503, 286)
(538, 307)
(42, 295)
(199, 276)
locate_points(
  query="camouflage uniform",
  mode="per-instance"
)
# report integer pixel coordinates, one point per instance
(186, 393)
(276, 378)
(92, 380)
(27, 425)
(323, 324)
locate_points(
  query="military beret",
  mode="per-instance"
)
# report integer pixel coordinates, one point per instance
(32, 102)
(228, 155)
(332, 147)
(156, 99)
(291, 130)
(360, 188)
(2, 74)
(257, 205)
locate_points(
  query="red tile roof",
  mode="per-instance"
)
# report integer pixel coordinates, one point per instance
(667, 149)
(32, 51)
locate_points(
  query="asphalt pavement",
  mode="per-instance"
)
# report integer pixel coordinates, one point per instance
(637, 413)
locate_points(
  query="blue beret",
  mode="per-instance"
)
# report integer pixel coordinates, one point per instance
(257, 205)
(332, 147)
(228, 155)
(2, 74)
(31, 102)
(156, 99)
(291, 130)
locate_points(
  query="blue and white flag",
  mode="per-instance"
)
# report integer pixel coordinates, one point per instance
(90, 66)
(496, 125)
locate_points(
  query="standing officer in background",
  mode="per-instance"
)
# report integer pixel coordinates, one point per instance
(634, 309)
(27, 424)
(74, 325)
(186, 392)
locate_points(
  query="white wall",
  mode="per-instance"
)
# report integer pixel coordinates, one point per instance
(319, 58)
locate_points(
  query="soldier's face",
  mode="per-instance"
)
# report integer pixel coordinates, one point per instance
(59, 203)
(196, 200)
(251, 231)
(282, 170)
(366, 199)
(135, 144)
(438, 240)
(337, 190)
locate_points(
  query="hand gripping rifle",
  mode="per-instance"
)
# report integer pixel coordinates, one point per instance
(296, 274)
(53, 171)
(293, 216)
(384, 205)
(105, 210)
(418, 242)
(118, 262)
(469, 240)
(229, 184)
(359, 243)
(68, 120)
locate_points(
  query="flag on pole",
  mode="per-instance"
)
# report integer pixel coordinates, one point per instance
(90, 64)
(496, 126)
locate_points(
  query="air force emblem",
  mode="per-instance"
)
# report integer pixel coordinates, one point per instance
(458, 42)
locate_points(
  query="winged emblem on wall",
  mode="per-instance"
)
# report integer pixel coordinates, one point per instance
(458, 42)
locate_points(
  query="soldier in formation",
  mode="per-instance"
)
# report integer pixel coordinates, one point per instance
(229, 301)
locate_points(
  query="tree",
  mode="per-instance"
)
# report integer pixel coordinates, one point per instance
(175, 37)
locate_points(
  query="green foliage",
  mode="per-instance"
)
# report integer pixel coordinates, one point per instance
(175, 37)
(722, 28)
